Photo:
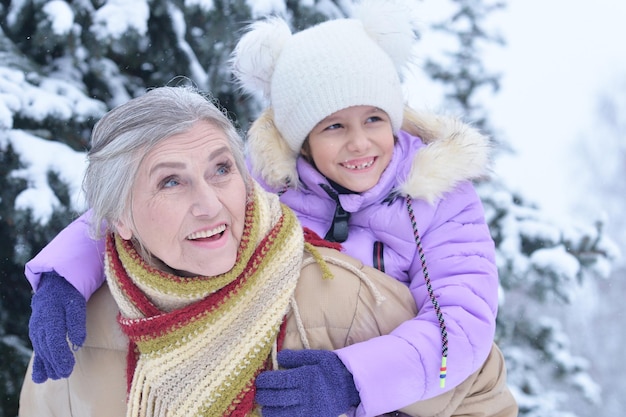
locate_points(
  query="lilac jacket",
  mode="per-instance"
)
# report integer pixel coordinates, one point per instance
(398, 369)
(435, 170)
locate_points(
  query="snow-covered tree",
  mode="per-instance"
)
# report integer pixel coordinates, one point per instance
(543, 262)
(459, 68)
(601, 153)
(65, 63)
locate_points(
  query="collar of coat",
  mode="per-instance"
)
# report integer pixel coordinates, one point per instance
(454, 152)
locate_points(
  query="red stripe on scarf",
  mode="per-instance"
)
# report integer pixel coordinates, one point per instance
(314, 239)
(134, 294)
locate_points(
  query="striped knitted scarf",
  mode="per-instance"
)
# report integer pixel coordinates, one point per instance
(200, 342)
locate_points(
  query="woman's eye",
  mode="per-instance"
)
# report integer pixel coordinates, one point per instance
(224, 169)
(169, 182)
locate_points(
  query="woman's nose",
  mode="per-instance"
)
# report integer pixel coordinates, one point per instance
(205, 200)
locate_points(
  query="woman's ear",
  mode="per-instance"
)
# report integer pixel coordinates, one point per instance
(123, 229)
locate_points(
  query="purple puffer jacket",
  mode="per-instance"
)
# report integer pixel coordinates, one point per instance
(398, 369)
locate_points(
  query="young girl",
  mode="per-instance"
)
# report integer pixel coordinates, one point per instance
(393, 188)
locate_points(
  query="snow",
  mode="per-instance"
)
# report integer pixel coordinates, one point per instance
(197, 70)
(52, 98)
(61, 16)
(46, 98)
(10, 81)
(14, 9)
(205, 5)
(558, 260)
(534, 225)
(40, 157)
(260, 8)
(15, 342)
(114, 18)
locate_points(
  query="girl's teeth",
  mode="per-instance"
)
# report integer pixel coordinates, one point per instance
(360, 166)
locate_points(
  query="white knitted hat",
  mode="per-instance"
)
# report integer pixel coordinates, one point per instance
(337, 64)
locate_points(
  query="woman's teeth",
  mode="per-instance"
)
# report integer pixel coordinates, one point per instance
(207, 233)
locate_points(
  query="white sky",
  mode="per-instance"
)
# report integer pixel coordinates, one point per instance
(560, 55)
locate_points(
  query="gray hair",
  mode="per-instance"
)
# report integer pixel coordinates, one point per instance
(122, 138)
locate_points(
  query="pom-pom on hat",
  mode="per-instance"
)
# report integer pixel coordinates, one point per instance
(336, 64)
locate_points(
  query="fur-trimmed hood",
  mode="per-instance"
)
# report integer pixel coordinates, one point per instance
(454, 152)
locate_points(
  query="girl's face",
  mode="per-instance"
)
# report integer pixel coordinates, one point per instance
(189, 202)
(352, 147)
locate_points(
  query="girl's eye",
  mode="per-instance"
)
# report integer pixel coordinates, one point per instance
(333, 126)
(374, 119)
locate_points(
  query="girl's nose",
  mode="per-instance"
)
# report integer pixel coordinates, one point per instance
(358, 141)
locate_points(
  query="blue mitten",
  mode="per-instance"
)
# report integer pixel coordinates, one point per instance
(58, 316)
(314, 383)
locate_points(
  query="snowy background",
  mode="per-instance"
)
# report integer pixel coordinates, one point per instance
(562, 60)
(560, 57)
(561, 108)
(563, 66)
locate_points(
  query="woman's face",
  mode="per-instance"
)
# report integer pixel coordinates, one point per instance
(189, 203)
(353, 146)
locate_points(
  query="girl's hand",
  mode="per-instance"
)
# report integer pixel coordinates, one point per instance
(58, 316)
(314, 383)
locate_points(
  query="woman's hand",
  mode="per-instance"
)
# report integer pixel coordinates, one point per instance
(58, 316)
(314, 383)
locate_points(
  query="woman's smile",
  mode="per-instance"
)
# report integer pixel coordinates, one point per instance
(209, 234)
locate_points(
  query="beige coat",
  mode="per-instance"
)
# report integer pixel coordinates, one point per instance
(359, 301)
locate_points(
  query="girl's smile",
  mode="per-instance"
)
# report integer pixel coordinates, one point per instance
(359, 164)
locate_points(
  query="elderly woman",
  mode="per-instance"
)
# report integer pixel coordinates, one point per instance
(204, 269)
